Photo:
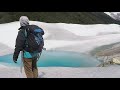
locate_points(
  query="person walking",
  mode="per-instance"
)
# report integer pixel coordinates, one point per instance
(30, 41)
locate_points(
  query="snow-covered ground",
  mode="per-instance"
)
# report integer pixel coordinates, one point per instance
(64, 72)
(61, 36)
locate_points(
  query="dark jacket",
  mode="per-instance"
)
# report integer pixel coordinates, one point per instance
(20, 41)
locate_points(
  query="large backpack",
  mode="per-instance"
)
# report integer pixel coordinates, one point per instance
(34, 39)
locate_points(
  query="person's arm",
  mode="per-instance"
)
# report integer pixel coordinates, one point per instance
(20, 42)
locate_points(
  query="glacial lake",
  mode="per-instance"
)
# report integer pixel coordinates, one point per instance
(56, 59)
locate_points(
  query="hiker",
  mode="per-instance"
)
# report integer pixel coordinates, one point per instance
(30, 57)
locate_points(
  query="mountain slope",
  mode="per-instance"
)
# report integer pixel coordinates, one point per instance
(60, 17)
(114, 15)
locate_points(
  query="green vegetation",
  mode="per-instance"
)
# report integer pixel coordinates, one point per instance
(60, 17)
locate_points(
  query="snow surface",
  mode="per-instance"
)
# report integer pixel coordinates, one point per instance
(61, 36)
(64, 72)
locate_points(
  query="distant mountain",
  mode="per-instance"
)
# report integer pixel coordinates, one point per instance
(114, 15)
(60, 17)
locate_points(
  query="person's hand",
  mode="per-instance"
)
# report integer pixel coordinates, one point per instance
(15, 60)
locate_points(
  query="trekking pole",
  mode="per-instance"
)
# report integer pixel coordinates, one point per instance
(21, 61)
(40, 54)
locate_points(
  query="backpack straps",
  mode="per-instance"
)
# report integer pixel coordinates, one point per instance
(26, 43)
(25, 33)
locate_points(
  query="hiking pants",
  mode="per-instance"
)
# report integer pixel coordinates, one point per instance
(30, 67)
